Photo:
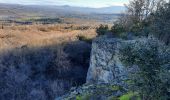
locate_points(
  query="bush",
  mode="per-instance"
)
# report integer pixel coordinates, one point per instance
(59, 65)
(102, 29)
(145, 17)
(129, 96)
(84, 38)
(152, 59)
(160, 24)
(136, 29)
(117, 29)
(42, 73)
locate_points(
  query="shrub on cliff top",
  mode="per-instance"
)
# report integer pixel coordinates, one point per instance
(153, 61)
(102, 30)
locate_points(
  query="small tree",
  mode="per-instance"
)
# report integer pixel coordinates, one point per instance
(102, 30)
(161, 22)
(152, 79)
(117, 29)
(139, 12)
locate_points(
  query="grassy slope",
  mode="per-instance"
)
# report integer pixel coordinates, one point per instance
(40, 35)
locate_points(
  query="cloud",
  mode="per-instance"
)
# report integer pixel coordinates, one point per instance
(82, 3)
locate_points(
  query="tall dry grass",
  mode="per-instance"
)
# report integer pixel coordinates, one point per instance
(41, 35)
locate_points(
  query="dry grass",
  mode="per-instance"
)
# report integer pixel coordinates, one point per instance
(42, 35)
(32, 53)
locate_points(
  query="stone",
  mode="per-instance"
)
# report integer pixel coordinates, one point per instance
(105, 66)
(107, 77)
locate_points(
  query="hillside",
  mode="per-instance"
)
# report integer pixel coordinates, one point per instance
(46, 60)
(14, 11)
(81, 52)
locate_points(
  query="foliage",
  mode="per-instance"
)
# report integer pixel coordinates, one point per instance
(84, 38)
(42, 73)
(117, 29)
(78, 98)
(60, 65)
(136, 28)
(102, 29)
(95, 91)
(151, 58)
(161, 22)
(129, 96)
(46, 20)
(145, 18)
(83, 97)
(116, 87)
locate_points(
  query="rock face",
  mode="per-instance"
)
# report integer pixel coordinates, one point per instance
(106, 74)
(107, 78)
(105, 66)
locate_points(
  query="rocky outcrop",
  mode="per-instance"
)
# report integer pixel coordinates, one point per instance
(108, 78)
(105, 66)
(106, 74)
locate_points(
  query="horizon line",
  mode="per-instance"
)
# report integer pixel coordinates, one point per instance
(61, 5)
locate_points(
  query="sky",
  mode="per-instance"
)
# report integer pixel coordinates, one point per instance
(80, 3)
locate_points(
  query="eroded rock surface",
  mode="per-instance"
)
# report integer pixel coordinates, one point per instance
(108, 78)
(105, 66)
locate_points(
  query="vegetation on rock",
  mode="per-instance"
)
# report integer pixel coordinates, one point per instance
(94, 92)
(151, 59)
(102, 29)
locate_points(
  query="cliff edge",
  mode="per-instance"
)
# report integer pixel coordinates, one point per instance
(105, 66)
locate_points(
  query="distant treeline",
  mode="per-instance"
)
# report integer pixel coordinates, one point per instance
(47, 20)
(32, 21)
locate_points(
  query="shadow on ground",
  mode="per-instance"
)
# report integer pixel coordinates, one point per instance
(42, 73)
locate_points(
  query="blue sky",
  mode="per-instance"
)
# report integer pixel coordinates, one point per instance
(81, 3)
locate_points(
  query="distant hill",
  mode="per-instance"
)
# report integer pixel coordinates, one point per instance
(105, 10)
(30, 10)
(17, 12)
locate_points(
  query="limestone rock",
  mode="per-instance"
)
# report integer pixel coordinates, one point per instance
(105, 66)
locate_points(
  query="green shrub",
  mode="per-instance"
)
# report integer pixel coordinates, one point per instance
(123, 35)
(152, 59)
(117, 29)
(83, 97)
(129, 96)
(102, 30)
(78, 98)
(84, 38)
(160, 23)
(136, 29)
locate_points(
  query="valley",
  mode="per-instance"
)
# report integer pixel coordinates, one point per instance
(46, 48)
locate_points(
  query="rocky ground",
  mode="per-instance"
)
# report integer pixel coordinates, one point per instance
(94, 92)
